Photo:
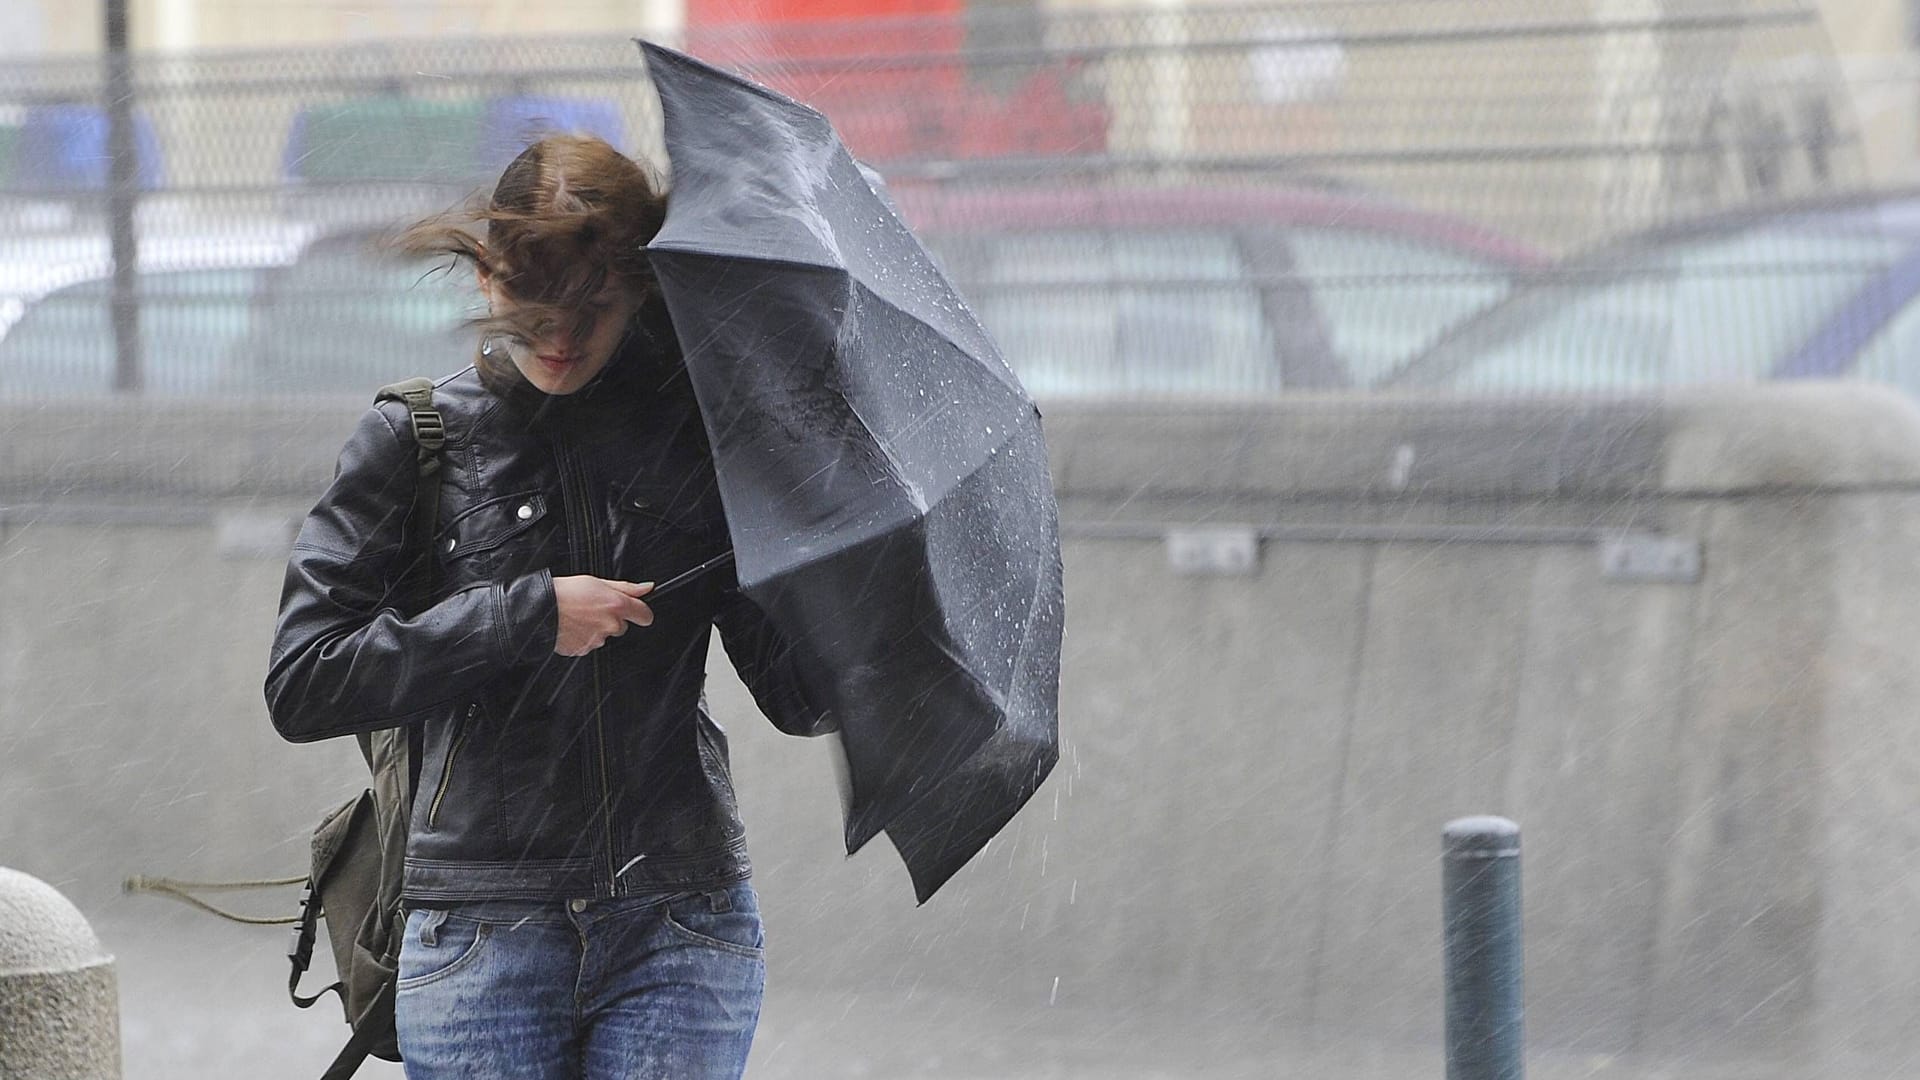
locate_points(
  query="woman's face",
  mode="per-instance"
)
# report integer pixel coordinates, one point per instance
(563, 359)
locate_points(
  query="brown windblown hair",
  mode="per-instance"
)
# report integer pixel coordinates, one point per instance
(569, 214)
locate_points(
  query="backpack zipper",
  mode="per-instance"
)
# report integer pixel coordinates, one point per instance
(446, 774)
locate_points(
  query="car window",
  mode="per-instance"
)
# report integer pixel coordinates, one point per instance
(1384, 298)
(190, 322)
(1892, 356)
(345, 318)
(1612, 338)
(1090, 313)
(1725, 308)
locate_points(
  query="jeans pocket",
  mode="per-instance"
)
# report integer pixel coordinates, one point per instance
(438, 945)
(697, 919)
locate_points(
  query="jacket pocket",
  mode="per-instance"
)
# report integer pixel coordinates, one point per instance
(680, 508)
(694, 918)
(462, 730)
(451, 945)
(485, 526)
(664, 530)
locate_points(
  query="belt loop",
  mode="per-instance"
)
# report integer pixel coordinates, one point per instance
(430, 926)
(721, 901)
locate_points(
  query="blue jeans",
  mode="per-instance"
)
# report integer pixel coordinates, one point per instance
(636, 988)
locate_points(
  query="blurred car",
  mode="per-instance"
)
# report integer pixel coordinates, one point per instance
(273, 310)
(1091, 291)
(1815, 289)
(1207, 291)
(347, 317)
(197, 293)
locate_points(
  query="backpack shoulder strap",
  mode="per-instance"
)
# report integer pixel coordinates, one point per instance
(429, 427)
(429, 440)
(360, 1045)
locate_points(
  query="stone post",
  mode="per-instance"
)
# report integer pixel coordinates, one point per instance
(59, 998)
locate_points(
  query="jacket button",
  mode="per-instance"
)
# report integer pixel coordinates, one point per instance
(641, 504)
(452, 543)
(525, 511)
(578, 906)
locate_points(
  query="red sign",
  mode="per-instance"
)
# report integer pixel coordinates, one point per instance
(896, 79)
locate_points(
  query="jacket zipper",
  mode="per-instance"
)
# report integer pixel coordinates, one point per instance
(446, 774)
(578, 511)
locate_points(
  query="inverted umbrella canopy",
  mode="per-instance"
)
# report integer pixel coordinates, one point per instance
(883, 471)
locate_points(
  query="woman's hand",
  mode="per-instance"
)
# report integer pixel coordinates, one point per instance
(594, 609)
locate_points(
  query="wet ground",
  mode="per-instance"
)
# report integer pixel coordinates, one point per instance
(206, 1000)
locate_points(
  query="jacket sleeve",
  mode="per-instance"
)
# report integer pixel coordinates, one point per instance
(346, 657)
(770, 665)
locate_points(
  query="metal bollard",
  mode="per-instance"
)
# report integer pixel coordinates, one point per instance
(59, 999)
(1485, 1006)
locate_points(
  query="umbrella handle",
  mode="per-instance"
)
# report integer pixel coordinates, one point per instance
(681, 580)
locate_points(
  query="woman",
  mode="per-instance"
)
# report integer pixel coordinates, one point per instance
(576, 877)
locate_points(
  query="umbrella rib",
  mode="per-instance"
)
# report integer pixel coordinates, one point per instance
(896, 469)
(994, 362)
(1026, 632)
(652, 52)
(708, 251)
(997, 364)
(959, 670)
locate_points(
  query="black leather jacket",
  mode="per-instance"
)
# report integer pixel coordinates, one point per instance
(541, 776)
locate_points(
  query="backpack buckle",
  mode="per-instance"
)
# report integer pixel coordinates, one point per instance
(300, 948)
(429, 428)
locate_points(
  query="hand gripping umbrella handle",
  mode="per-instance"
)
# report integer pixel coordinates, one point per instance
(686, 578)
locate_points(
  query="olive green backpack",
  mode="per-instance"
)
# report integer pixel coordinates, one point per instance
(359, 848)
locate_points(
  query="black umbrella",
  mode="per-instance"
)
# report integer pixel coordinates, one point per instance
(883, 471)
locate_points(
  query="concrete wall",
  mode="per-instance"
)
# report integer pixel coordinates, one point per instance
(1716, 779)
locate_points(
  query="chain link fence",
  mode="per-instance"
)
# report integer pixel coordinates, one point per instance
(1175, 202)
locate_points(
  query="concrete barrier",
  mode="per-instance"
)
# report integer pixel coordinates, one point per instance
(1707, 729)
(59, 1003)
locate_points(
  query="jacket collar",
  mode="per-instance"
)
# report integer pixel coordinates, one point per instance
(646, 364)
